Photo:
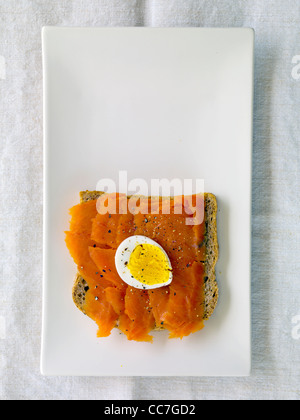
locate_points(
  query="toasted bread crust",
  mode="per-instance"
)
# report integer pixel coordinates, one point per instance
(80, 289)
(211, 291)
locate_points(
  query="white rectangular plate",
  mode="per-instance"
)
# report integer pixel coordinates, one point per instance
(158, 103)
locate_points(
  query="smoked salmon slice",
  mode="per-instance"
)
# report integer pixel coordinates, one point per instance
(185, 309)
(112, 229)
(116, 297)
(98, 308)
(137, 321)
(104, 259)
(78, 245)
(82, 216)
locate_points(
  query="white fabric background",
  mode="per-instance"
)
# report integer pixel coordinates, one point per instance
(276, 191)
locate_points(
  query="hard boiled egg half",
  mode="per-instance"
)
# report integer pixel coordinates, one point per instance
(142, 263)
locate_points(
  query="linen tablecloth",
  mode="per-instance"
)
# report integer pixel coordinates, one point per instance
(276, 191)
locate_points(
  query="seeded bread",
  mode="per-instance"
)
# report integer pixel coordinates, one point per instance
(211, 290)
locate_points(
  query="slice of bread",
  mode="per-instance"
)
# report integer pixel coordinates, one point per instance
(211, 290)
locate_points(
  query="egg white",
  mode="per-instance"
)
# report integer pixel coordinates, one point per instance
(122, 258)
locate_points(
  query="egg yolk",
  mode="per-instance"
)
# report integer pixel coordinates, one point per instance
(149, 265)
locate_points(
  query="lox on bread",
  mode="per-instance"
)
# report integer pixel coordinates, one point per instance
(99, 292)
